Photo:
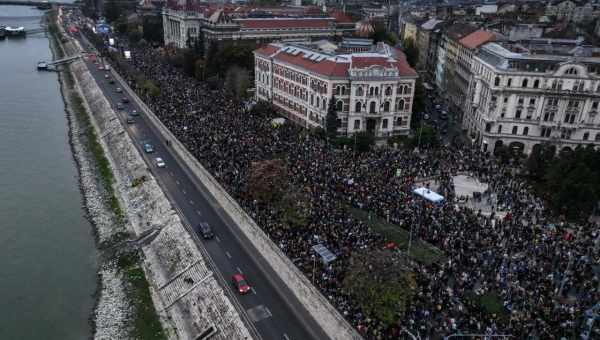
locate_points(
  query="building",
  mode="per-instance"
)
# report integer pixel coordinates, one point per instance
(427, 42)
(373, 90)
(575, 11)
(182, 26)
(528, 94)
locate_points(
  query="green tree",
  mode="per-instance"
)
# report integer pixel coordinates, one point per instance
(212, 62)
(381, 283)
(363, 141)
(112, 10)
(189, 62)
(411, 51)
(425, 137)
(237, 81)
(331, 122)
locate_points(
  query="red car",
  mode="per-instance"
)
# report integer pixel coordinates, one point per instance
(239, 281)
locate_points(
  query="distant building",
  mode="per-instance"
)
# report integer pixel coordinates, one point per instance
(536, 92)
(183, 26)
(373, 90)
(427, 42)
(575, 11)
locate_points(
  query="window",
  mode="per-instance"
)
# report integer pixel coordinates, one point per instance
(497, 81)
(357, 107)
(586, 136)
(524, 83)
(386, 107)
(536, 83)
(488, 127)
(572, 70)
(505, 100)
(324, 104)
(526, 131)
(357, 124)
(521, 100)
(499, 128)
(532, 101)
(597, 137)
(514, 130)
(388, 91)
(337, 90)
(359, 92)
(399, 121)
(371, 91)
(384, 124)
(494, 99)
(594, 105)
(339, 105)
(518, 114)
(377, 91)
(401, 105)
(372, 107)
(509, 83)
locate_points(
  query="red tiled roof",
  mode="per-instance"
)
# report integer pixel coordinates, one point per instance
(283, 23)
(341, 17)
(362, 62)
(477, 39)
(267, 50)
(324, 67)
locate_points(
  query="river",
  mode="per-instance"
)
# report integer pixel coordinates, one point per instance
(48, 257)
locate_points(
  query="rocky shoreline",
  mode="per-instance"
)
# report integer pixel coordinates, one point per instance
(111, 315)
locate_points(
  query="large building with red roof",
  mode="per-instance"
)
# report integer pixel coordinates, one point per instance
(372, 91)
(183, 24)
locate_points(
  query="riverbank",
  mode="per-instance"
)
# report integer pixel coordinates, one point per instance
(171, 290)
(114, 315)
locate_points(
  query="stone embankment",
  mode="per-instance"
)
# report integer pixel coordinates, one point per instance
(185, 292)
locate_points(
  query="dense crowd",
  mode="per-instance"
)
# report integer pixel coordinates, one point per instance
(545, 274)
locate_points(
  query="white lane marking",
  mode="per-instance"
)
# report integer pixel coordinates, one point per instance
(227, 254)
(191, 202)
(172, 174)
(268, 311)
(239, 270)
(253, 291)
(184, 192)
(177, 182)
(198, 212)
(217, 238)
(286, 337)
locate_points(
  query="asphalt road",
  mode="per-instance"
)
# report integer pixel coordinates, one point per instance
(271, 308)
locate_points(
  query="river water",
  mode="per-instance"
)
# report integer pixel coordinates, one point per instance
(47, 251)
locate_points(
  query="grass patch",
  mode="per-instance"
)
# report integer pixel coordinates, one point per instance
(420, 251)
(147, 326)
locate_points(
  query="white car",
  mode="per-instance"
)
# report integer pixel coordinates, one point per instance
(159, 162)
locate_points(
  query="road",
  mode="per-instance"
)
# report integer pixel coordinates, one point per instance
(271, 308)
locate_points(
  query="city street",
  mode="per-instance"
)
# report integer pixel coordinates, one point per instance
(270, 307)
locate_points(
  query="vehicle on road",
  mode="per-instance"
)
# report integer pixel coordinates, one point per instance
(205, 230)
(120, 106)
(159, 162)
(240, 283)
(100, 67)
(125, 100)
(111, 81)
(130, 120)
(106, 76)
(148, 148)
(134, 113)
(119, 90)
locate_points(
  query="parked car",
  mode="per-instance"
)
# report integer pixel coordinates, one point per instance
(106, 76)
(130, 120)
(125, 100)
(119, 90)
(120, 106)
(205, 230)
(134, 113)
(159, 162)
(239, 281)
(111, 81)
(148, 148)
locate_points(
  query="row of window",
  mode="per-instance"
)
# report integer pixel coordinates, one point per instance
(544, 132)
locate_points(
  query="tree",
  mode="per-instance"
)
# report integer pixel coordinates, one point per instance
(112, 10)
(411, 51)
(212, 63)
(418, 102)
(267, 180)
(425, 136)
(152, 29)
(381, 283)
(331, 122)
(199, 69)
(379, 33)
(363, 141)
(189, 62)
(237, 81)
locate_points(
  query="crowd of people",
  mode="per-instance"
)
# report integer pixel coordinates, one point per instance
(545, 273)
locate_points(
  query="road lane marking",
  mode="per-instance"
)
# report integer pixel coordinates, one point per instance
(217, 238)
(239, 270)
(286, 337)
(253, 291)
(172, 174)
(227, 254)
(198, 212)
(184, 192)
(258, 313)
(177, 182)
(191, 202)
(268, 311)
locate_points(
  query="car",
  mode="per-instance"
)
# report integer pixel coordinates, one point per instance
(106, 76)
(159, 162)
(119, 90)
(130, 120)
(148, 148)
(101, 68)
(134, 113)
(240, 283)
(125, 100)
(111, 81)
(120, 106)
(205, 230)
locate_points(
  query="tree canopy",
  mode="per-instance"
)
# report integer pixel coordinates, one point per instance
(411, 51)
